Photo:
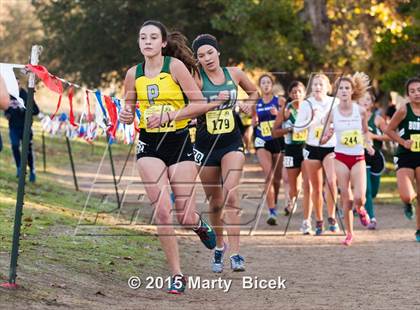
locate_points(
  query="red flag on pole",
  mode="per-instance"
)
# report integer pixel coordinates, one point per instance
(49, 80)
(58, 107)
(89, 117)
(113, 115)
(70, 95)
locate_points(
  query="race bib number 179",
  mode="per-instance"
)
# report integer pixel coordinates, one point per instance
(220, 121)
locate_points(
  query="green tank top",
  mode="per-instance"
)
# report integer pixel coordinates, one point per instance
(288, 138)
(217, 128)
(409, 126)
(375, 130)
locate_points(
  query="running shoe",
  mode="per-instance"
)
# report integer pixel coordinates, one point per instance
(332, 225)
(364, 217)
(409, 211)
(319, 228)
(289, 209)
(272, 220)
(372, 224)
(306, 227)
(178, 284)
(237, 263)
(218, 259)
(418, 235)
(349, 239)
(206, 234)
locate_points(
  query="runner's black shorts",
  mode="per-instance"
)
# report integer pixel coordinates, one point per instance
(316, 152)
(293, 156)
(171, 147)
(274, 146)
(376, 163)
(409, 160)
(213, 157)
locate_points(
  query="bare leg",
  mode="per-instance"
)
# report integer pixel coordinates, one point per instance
(232, 165)
(154, 174)
(211, 179)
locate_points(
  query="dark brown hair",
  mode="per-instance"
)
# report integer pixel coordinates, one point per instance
(265, 75)
(176, 45)
(295, 84)
(410, 81)
(204, 39)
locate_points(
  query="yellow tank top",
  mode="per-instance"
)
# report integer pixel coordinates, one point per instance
(159, 94)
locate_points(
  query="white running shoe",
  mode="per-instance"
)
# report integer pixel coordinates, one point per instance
(306, 227)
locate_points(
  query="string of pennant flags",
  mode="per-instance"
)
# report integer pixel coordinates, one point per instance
(103, 121)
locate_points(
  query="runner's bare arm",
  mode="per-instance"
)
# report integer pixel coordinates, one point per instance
(277, 130)
(365, 131)
(381, 124)
(328, 133)
(130, 97)
(242, 80)
(254, 120)
(393, 125)
(197, 105)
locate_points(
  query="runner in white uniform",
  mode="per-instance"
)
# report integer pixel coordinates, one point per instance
(349, 124)
(318, 159)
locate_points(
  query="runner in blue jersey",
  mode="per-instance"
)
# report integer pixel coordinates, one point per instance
(268, 148)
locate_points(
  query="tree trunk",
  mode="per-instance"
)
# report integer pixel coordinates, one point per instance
(315, 12)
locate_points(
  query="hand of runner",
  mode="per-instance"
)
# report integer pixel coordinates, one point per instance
(254, 121)
(246, 108)
(157, 119)
(126, 115)
(223, 96)
(407, 144)
(327, 136)
(370, 150)
(223, 100)
(274, 111)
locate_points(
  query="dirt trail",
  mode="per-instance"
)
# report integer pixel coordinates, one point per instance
(380, 271)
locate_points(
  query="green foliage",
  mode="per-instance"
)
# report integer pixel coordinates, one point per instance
(95, 41)
(272, 35)
(395, 78)
(19, 30)
(396, 54)
(98, 39)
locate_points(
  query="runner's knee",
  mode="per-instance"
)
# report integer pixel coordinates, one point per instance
(162, 215)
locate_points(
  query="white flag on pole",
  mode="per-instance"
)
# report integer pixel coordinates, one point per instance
(6, 71)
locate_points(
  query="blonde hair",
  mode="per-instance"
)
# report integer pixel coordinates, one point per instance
(323, 77)
(359, 83)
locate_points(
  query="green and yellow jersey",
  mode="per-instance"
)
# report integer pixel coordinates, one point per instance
(160, 94)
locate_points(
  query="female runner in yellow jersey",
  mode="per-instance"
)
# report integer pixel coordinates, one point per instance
(164, 152)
